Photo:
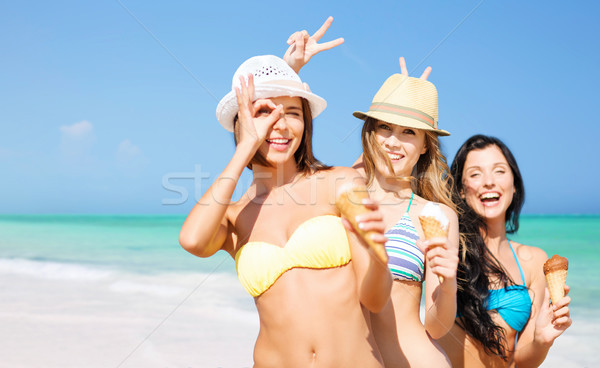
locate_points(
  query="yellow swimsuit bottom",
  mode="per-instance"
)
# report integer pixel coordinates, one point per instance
(320, 242)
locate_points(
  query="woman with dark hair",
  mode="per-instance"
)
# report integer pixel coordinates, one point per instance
(504, 314)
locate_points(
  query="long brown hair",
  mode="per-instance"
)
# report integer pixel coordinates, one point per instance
(306, 162)
(431, 176)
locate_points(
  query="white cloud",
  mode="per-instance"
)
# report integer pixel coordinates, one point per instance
(128, 151)
(80, 130)
(130, 158)
(76, 142)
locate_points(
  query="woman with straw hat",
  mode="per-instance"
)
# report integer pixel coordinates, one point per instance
(406, 170)
(313, 282)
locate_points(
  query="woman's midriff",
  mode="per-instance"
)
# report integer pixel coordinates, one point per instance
(464, 351)
(399, 333)
(312, 318)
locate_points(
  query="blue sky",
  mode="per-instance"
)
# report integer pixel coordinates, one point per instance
(109, 107)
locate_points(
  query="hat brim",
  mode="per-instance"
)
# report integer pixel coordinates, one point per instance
(398, 120)
(228, 107)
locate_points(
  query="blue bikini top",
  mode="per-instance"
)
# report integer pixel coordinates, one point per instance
(512, 302)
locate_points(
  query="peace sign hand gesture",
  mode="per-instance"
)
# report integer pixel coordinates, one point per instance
(404, 70)
(303, 47)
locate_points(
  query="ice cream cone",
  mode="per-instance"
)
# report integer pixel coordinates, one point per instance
(432, 228)
(350, 204)
(555, 270)
(431, 219)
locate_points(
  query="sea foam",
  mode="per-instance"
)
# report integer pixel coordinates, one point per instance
(52, 270)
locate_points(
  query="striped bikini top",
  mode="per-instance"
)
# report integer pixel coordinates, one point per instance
(406, 261)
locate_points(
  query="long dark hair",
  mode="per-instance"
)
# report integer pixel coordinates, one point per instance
(306, 162)
(478, 263)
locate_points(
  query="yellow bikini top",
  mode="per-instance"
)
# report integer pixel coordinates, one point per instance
(319, 242)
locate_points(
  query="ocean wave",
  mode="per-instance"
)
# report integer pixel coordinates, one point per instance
(52, 270)
(128, 286)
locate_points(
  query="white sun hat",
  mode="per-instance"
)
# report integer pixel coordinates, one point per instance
(273, 77)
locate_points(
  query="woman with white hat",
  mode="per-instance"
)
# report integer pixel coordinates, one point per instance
(313, 282)
(405, 170)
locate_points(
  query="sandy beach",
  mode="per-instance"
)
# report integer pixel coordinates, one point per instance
(125, 321)
(60, 319)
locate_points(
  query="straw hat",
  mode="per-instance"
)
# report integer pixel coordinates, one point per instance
(273, 77)
(406, 101)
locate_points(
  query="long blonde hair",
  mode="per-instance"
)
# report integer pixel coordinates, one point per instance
(431, 178)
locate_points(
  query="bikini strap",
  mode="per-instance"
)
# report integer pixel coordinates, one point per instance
(409, 203)
(516, 259)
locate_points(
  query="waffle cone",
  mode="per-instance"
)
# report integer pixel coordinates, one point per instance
(350, 205)
(432, 228)
(556, 281)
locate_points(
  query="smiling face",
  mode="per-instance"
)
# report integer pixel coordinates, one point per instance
(402, 145)
(488, 182)
(285, 136)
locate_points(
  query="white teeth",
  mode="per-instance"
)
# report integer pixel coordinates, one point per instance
(489, 196)
(394, 156)
(278, 140)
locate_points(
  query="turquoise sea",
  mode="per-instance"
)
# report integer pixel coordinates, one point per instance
(135, 260)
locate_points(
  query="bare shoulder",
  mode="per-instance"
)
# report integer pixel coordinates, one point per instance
(417, 205)
(532, 261)
(529, 253)
(359, 165)
(329, 183)
(341, 174)
(361, 170)
(449, 212)
(341, 171)
(235, 208)
(419, 201)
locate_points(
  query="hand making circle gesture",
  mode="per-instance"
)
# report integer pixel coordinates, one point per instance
(255, 118)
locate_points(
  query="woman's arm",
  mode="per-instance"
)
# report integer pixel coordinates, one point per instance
(374, 280)
(546, 322)
(374, 277)
(441, 263)
(206, 228)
